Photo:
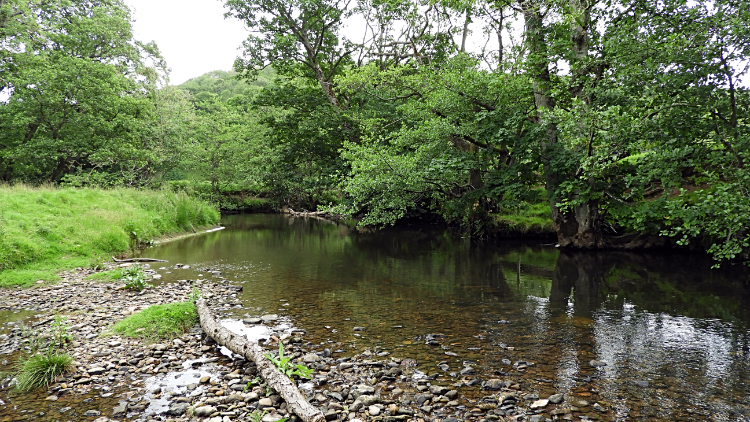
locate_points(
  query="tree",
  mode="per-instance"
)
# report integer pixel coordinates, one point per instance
(78, 88)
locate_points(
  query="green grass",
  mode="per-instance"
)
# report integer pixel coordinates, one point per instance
(45, 230)
(111, 275)
(533, 217)
(41, 370)
(159, 322)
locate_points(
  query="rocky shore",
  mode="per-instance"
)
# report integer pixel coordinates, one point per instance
(193, 378)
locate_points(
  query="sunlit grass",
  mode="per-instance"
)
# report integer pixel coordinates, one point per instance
(159, 321)
(45, 230)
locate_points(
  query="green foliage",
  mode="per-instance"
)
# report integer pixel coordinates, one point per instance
(41, 370)
(57, 121)
(134, 278)
(49, 229)
(159, 322)
(284, 365)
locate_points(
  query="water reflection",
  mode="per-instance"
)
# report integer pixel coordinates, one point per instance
(673, 333)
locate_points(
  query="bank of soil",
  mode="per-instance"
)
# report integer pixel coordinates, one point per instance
(193, 378)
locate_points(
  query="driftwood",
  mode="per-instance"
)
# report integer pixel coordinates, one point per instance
(307, 213)
(138, 260)
(251, 351)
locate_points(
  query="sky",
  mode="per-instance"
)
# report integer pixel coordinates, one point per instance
(192, 35)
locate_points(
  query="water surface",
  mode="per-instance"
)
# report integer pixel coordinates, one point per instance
(673, 333)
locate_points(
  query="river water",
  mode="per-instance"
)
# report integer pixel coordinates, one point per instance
(673, 334)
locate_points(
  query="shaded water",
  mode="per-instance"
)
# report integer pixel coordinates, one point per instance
(673, 333)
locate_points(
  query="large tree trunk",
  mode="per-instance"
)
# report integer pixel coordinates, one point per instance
(251, 351)
(581, 226)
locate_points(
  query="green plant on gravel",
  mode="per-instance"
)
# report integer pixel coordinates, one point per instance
(157, 322)
(40, 370)
(256, 380)
(134, 278)
(194, 295)
(284, 365)
(60, 335)
(257, 416)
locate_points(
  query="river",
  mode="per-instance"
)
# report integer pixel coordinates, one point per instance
(671, 333)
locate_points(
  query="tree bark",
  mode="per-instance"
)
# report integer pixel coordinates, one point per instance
(251, 351)
(579, 227)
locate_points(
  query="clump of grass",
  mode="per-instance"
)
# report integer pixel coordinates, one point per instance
(44, 360)
(41, 370)
(159, 321)
(45, 230)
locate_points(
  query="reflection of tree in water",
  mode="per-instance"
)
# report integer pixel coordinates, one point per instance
(671, 283)
(667, 319)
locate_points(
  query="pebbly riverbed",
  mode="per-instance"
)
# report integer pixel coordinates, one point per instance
(193, 378)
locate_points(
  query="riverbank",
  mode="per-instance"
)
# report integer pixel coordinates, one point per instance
(46, 229)
(192, 378)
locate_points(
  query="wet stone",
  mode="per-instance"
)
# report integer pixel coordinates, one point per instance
(556, 398)
(597, 363)
(91, 413)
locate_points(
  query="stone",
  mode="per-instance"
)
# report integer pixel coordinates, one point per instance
(96, 370)
(269, 317)
(536, 418)
(451, 395)
(101, 419)
(120, 409)
(265, 402)
(359, 328)
(468, 371)
(599, 408)
(373, 410)
(205, 380)
(642, 384)
(311, 358)
(495, 384)
(438, 390)
(597, 363)
(272, 417)
(363, 400)
(204, 411)
(556, 398)
(178, 409)
(252, 321)
(91, 413)
(539, 404)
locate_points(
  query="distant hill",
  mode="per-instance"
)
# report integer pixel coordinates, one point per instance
(225, 85)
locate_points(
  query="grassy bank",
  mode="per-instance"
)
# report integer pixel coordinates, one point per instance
(45, 230)
(532, 218)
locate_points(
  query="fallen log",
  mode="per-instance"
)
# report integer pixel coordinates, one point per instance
(295, 401)
(138, 260)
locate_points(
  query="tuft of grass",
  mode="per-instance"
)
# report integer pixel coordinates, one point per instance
(41, 370)
(44, 230)
(159, 321)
